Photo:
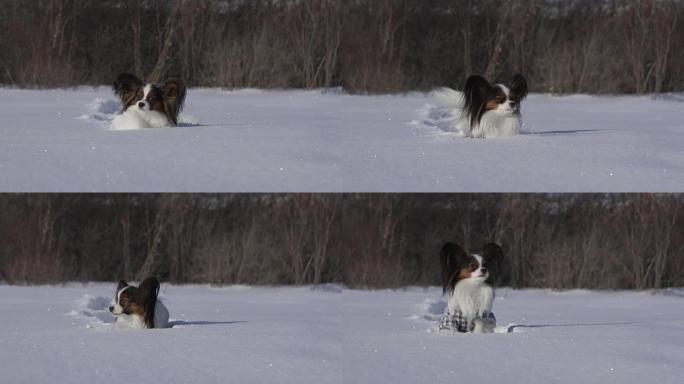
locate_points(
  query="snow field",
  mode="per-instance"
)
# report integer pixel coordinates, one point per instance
(310, 141)
(334, 335)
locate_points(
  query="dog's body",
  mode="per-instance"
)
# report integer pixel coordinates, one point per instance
(493, 110)
(484, 110)
(469, 297)
(148, 106)
(139, 307)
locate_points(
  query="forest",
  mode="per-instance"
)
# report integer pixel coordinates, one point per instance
(560, 241)
(362, 46)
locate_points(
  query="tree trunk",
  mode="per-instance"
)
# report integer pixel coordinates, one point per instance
(169, 36)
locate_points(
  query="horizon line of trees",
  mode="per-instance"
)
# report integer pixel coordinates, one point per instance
(363, 46)
(614, 241)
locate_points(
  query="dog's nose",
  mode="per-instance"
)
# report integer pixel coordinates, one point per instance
(513, 104)
(111, 309)
(484, 270)
(141, 104)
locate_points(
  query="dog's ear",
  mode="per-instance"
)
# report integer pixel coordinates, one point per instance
(450, 257)
(149, 287)
(173, 92)
(493, 256)
(492, 252)
(126, 87)
(122, 284)
(476, 93)
(148, 292)
(518, 87)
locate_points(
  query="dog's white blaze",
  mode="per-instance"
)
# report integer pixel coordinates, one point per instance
(506, 105)
(118, 309)
(146, 90)
(145, 105)
(505, 90)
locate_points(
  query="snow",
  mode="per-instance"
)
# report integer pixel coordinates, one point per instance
(233, 334)
(311, 141)
(332, 335)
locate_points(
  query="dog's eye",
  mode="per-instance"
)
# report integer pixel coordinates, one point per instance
(473, 266)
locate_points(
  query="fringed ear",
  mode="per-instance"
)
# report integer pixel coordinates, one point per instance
(122, 284)
(492, 252)
(476, 93)
(148, 291)
(173, 92)
(518, 87)
(493, 256)
(126, 87)
(449, 258)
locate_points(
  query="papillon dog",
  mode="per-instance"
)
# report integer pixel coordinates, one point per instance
(493, 110)
(464, 281)
(148, 105)
(139, 307)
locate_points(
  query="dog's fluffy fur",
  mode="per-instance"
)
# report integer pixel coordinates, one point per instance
(150, 105)
(484, 110)
(464, 279)
(494, 110)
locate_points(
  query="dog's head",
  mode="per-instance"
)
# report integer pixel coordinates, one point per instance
(481, 97)
(458, 265)
(141, 300)
(167, 98)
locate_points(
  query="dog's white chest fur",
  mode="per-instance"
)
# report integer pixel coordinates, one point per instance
(472, 299)
(496, 124)
(135, 118)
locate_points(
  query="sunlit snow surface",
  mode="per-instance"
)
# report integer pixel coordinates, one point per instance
(333, 335)
(230, 335)
(289, 141)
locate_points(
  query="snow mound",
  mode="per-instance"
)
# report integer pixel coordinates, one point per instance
(94, 309)
(678, 292)
(445, 114)
(334, 288)
(671, 96)
(101, 110)
(431, 309)
(185, 120)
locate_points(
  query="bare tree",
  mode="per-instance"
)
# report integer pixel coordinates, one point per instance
(170, 31)
(156, 229)
(498, 38)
